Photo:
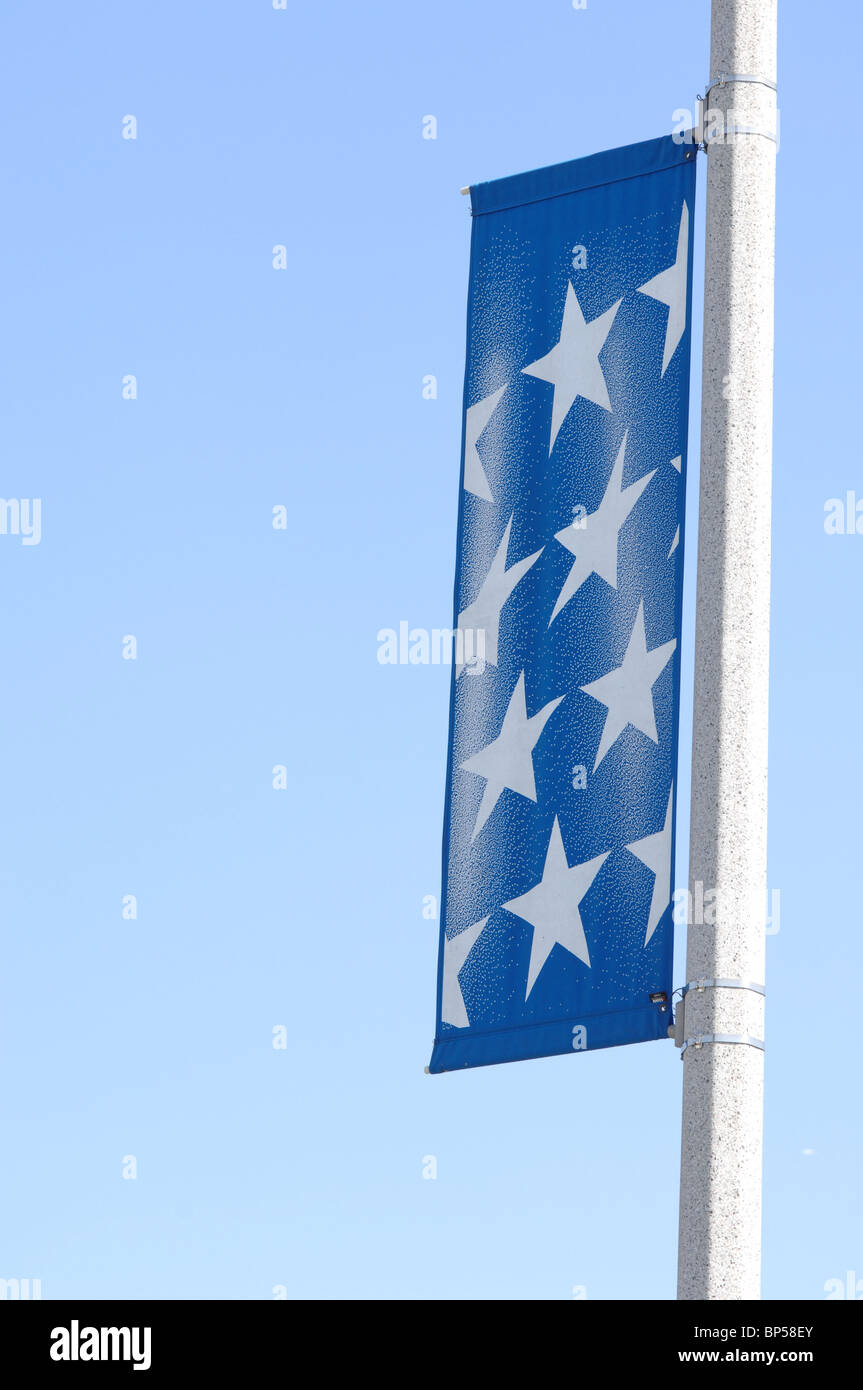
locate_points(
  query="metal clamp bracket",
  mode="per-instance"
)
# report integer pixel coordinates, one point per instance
(699, 986)
(742, 130)
(725, 77)
(723, 80)
(703, 1038)
(723, 984)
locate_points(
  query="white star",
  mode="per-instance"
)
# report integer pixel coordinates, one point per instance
(551, 906)
(628, 689)
(483, 615)
(508, 760)
(456, 950)
(572, 366)
(655, 852)
(669, 287)
(675, 463)
(594, 543)
(476, 417)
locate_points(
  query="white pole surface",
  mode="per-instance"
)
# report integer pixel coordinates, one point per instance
(720, 1187)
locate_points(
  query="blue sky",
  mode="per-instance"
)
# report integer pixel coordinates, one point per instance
(301, 1168)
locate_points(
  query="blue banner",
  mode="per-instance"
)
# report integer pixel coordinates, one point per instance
(556, 919)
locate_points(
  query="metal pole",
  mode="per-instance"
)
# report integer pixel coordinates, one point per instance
(720, 1182)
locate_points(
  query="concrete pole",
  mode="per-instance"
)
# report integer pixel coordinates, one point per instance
(720, 1187)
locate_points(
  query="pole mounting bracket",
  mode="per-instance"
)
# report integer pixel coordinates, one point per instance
(701, 1038)
(723, 984)
(677, 1031)
(702, 105)
(725, 77)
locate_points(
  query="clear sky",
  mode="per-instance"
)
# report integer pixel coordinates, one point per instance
(151, 1038)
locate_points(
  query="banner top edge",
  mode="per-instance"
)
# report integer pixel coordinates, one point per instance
(578, 175)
